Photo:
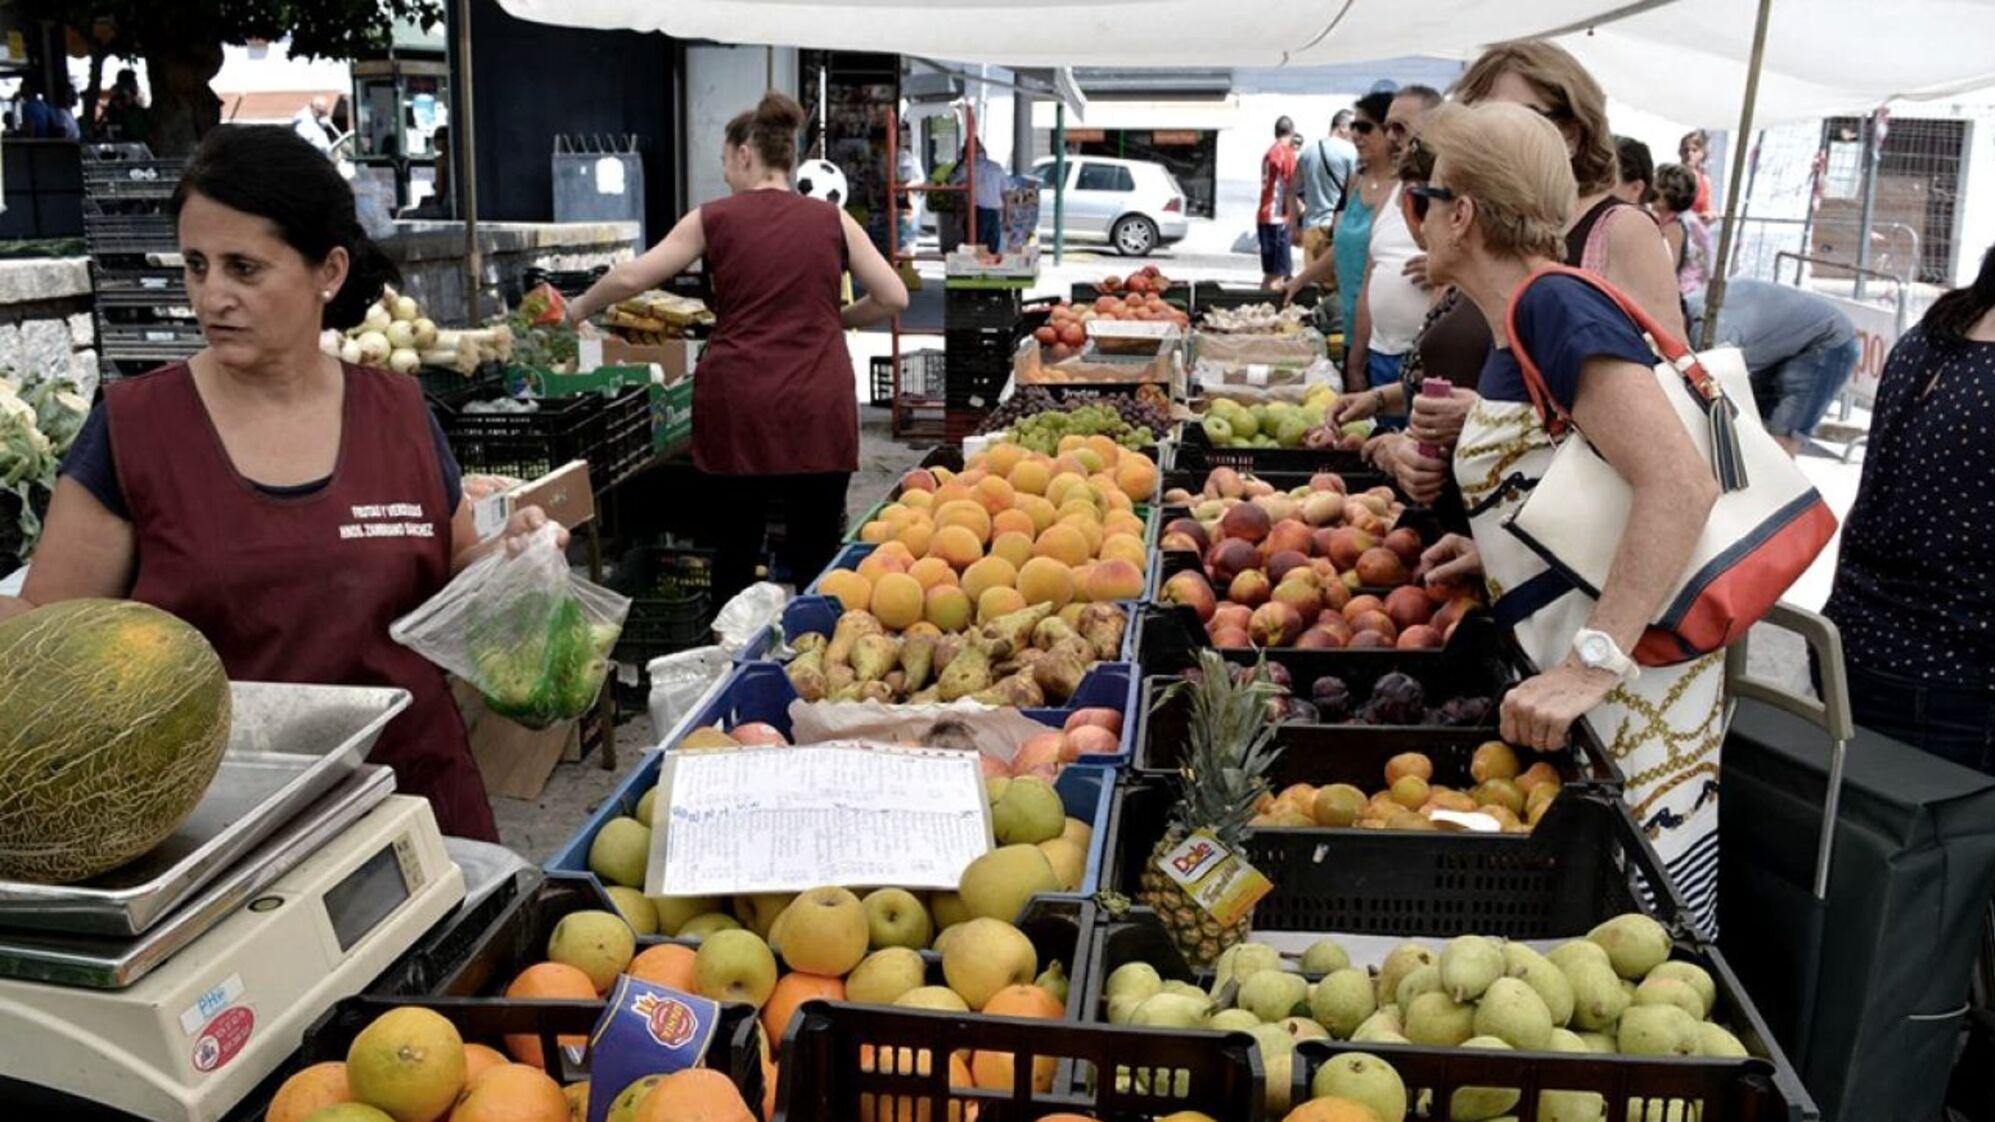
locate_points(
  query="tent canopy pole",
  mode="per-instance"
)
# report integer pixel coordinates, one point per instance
(467, 167)
(1714, 298)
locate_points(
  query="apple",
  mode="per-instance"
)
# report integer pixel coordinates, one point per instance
(895, 918)
(886, 974)
(998, 884)
(758, 911)
(734, 966)
(940, 998)
(986, 956)
(824, 931)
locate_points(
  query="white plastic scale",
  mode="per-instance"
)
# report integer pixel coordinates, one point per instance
(184, 1017)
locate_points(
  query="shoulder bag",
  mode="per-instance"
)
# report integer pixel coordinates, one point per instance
(1768, 524)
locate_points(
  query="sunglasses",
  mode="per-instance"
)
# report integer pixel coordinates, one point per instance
(1363, 127)
(1418, 195)
(1552, 115)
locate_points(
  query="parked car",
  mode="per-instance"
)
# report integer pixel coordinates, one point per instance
(1134, 205)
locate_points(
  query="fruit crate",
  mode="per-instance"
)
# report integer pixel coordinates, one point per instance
(1178, 293)
(1213, 295)
(130, 235)
(1762, 1088)
(1196, 453)
(844, 1062)
(849, 556)
(612, 434)
(1362, 479)
(921, 376)
(942, 455)
(1479, 657)
(761, 692)
(1707, 1089)
(1169, 562)
(1585, 862)
(980, 308)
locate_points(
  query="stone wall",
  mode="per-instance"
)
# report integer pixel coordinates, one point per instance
(45, 320)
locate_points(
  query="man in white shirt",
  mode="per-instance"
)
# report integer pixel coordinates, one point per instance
(1392, 305)
(309, 122)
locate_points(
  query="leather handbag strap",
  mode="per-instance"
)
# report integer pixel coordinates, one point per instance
(1555, 417)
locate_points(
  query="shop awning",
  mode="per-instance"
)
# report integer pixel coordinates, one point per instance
(1682, 59)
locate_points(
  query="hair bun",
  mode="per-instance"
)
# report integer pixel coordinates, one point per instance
(779, 111)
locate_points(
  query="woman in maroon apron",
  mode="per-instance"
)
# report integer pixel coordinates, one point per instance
(287, 505)
(775, 409)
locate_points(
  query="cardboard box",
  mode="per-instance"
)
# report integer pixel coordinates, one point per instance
(564, 494)
(676, 359)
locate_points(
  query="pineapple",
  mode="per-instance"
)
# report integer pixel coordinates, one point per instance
(1228, 751)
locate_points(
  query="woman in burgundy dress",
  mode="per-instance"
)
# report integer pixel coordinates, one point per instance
(775, 407)
(240, 490)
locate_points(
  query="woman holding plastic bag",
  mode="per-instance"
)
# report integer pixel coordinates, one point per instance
(287, 505)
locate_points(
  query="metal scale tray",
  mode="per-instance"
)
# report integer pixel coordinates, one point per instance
(288, 746)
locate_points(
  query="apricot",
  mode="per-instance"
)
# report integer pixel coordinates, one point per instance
(1044, 580)
(897, 600)
(853, 592)
(931, 571)
(947, 607)
(989, 573)
(1063, 542)
(1012, 546)
(957, 545)
(996, 601)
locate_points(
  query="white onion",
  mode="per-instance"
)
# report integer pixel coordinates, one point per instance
(376, 319)
(405, 308)
(374, 348)
(401, 334)
(404, 361)
(425, 332)
(349, 352)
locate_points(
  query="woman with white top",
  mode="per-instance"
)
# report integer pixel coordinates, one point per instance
(1392, 304)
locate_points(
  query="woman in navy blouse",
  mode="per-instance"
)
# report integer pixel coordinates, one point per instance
(1915, 582)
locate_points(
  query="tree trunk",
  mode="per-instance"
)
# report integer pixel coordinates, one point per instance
(184, 108)
(92, 127)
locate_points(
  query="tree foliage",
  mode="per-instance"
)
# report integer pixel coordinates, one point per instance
(316, 28)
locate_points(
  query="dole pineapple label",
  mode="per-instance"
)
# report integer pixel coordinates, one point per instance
(1219, 879)
(646, 1029)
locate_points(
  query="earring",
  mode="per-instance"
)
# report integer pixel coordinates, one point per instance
(325, 295)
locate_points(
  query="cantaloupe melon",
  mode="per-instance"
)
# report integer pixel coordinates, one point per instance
(113, 718)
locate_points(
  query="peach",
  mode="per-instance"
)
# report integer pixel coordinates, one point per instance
(1319, 639)
(1381, 568)
(1190, 587)
(1274, 625)
(1374, 621)
(989, 573)
(1322, 508)
(1043, 580)
(996, 601)
(1114, 579)
(1405, 541)
(1419, 637)
(1358, 605)
(920, 479)
(1346, 545)
(1408, 605)
(1368, 641)
(1285, 561)
(875, 532)
(1245, 522)
(1304, 598)
(1099, 715)
(947, 607)
(1231, 638)
(852, 591)
(1250, 587)
(1223, 483)
(897, 601)
(1229, 558)
(1229, 615)
(1336, 594)
(1190, 527)
(1327, 481)
(1288, 534)
(1093, 740)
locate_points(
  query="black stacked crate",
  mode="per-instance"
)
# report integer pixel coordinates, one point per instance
(144, 317)
(977, 325)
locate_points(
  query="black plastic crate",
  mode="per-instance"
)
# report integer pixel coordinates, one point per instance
(671, 604)
(846, 1062)
(130, 234)
(568, 282)
(1178, 293)
(1584, 863)
(1196, 453)
(160, 284)
(1210, 295)
(588, 427)
(921, 376)
(1480, 659)
(1356, 481)
(980, 308)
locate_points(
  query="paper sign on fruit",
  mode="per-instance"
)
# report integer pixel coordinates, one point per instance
(646, 1029)
(1220, 880)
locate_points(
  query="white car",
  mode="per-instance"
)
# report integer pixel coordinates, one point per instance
(1134, 205)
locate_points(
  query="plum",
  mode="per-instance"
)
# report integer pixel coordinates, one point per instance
(1331, 697)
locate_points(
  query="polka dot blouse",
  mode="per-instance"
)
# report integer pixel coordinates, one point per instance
(1915, 585)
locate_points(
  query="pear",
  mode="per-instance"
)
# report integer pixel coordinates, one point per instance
(1362, 1078)
(998, 884)
(1272, 995)
(1537, 971)
(1324, 956)
(1657, 1030)
(1426, 979)
(1172, 1010)
(1670, 991)
(674, 911)
(1513, 1012)
(1635, 944)
(1404, 960)
(1233, 1020)
(1183, 989)
(1565, 1040)
(1343, 1000)
(1241, 961)
(1436, 1020)
(1477, 1104)
(1597, 997)
(824, 932)
(1054, 980)
(1133, 979)
(883, 976)
(1692, 975)
(1600, 1042)
(1571, 1106)
(1302, 1028)
(1566, 955)
(1028, 812)
(1716, 1040)
(1386, 1020)
(1469, 963)
(933, 997)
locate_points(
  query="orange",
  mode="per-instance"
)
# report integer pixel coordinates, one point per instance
(1025, 1001)
(931, 571)
(479, 1059)
(512, 1093)
(791, 991)
(554, 981)
(409, 1063)
(667, 964)
(1332, 1109)
(320, 1085)
(697, 1094)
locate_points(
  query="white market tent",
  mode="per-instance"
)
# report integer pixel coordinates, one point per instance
(1684, 59)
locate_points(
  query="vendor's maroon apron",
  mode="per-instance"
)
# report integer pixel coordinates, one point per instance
(303, 588)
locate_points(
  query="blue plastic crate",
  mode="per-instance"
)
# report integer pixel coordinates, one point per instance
(1084, 788)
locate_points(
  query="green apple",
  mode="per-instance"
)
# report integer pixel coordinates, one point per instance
(894, 918)
(734, 966)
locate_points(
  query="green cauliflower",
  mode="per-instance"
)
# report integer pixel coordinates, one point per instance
(552, 671)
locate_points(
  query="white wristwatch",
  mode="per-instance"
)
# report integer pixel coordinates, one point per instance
(1596, 650)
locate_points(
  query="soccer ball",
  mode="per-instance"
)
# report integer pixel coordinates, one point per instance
(821, 179)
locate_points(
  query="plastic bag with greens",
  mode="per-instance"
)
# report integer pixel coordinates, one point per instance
(523, 630)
